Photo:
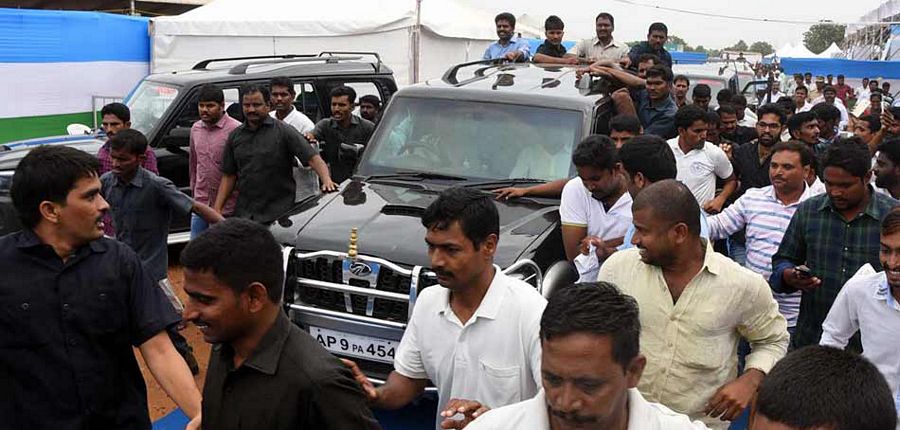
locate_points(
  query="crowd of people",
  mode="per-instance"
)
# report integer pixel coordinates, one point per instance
(725, 267)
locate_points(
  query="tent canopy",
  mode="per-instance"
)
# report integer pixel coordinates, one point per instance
(831, 51)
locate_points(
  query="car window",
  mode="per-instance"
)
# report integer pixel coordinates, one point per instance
(148, 104)
(474, 139)
(715, 85)
(307, 101)
(363, 89)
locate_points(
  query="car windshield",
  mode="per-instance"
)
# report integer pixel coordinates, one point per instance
(149, 103)
(481, 140)
(715, 85)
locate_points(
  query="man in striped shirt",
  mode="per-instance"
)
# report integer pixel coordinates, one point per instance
(766, 212)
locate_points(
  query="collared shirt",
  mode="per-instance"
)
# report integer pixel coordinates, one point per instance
(331, 135)
(207, 144)
(817, 187)
(578, 208)
(866, 304)
(288, 382)
(765, 218)
(699, 168)
(496, 50)
(105, 157)
(494, 357)
(691, 345)
(596, 50)
(141, 210)
(67, 332)
(298, 120)
(658, 119)
(263, 161)
(842, 91)
(833, 248)
(532, 415)
(549, 49)
(644, 48)
(751, 172)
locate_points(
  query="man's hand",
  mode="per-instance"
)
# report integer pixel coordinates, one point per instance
(310, 137)
(513, 55)
(570, 60)
(329, 186)
(194, 424)
(364, 383)
(728, 149)
(625, 62)
(732, 398)
(795, 279)
(470, 409)
(510, 193)
(714, 206)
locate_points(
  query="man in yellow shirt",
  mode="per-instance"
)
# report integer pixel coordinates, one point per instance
(695, 305)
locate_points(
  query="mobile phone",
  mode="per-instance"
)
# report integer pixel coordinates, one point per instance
(803, 271)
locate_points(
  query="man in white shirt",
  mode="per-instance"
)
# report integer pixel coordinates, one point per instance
(283, 95)
(591, 364)
(476, 335)
(699, 163)
(870, 303)
(595, 209)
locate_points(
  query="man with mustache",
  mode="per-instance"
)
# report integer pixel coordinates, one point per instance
(833, 235)
(508, 47)
(657, 35)
(475, 336)
(75, 305)
(887, 167)
(602, 46)
(591, 364)
(695, 305)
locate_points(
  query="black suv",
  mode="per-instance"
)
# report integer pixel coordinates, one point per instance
(164, 106)
(357, 258)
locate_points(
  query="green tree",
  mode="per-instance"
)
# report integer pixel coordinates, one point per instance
(820, 36)
(763, 48)
(740, 46)
(679, 41)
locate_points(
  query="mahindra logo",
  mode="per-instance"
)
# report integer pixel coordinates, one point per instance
(360, 269)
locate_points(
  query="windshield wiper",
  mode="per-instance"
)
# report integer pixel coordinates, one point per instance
(505, 182)
(410, 175)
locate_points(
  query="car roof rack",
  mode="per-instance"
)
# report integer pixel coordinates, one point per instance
(376, 65)
(203, 65)
(451, 78)
(241, 68)
(327, 56)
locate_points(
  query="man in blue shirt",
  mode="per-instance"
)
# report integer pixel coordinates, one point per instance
(508, 47)
(649, 99)
(656, 39)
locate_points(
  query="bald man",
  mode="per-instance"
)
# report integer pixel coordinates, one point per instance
(695, 306)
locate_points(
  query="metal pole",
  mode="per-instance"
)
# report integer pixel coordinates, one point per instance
(417, 38)
(133, 12)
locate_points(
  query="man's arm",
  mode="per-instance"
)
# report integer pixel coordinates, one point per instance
(728, 188)
(172, 373)
(321, 169)
(631, 81)
(549, 189)
(548, 59)
(226, 186)
(192, 164)
(397, 392)
(572, 236)
(623, 102)
(842, 321)
(208, 214)
(728, 222)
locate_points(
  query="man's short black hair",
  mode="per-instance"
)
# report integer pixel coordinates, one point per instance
(824, 387)
(786, 103)
(130, 141)
(891, 149)
(554, 22)
(660, 71)
(606, 16)
(702, 90)
(875, 95)
(649, 155)
(48, 173)
(682, 78)
(344, 90)
(807, 74)
(772, 109)
(283, 81)
(828, 88)
(726, 109)
(895, 111)
(713, 119)
(211, 93)
(795, 123)
(724, 96)
(649, 57)
(238, 252)
(263, 90)
(658, 26)
(840, 76)
(874, 122)
(671, 201)
(873, 80)
(625, 122)
(806, 154)
(596, 308)
(739, 100)
(595, 150)
(801, 88)
(687, 115)
(506, 16)
(474, 210)
(371, 99)
(849, 154)
(826, 112)
(120, 110)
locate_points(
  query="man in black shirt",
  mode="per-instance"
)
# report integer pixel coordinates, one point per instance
(343, 135)
(73, 304)
(264, 372)
(259, 159)
(552, 51)
(655, 44)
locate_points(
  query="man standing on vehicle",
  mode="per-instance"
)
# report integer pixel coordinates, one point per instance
(652, 102)
(259, 158)
(508, 47)
(655, 44)
(343, 136)
(602, 47)
(476, 336)
(552, 51)
(75, 305)
(283, 95)
(208, 138)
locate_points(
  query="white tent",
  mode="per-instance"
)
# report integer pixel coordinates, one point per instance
(831, 52)
(448, 33)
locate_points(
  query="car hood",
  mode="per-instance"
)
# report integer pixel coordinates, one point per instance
(12, 153)
(388, 218)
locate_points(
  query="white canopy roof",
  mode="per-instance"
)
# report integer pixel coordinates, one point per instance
(791, 51)
(831, 51)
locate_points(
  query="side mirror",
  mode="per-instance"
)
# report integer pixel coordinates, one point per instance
(350, 152)
(177, 138)
(559, 275)
(584, 82)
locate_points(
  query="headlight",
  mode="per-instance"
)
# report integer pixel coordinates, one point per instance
(6, 181)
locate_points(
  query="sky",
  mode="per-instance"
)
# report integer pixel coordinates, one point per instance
(632, 20)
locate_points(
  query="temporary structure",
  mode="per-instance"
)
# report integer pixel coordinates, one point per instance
(417, 39)
(831, 52)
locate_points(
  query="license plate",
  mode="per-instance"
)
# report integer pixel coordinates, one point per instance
(355, 345)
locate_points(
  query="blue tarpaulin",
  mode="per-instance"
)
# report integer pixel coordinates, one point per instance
(841, 66)
(680, 57)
